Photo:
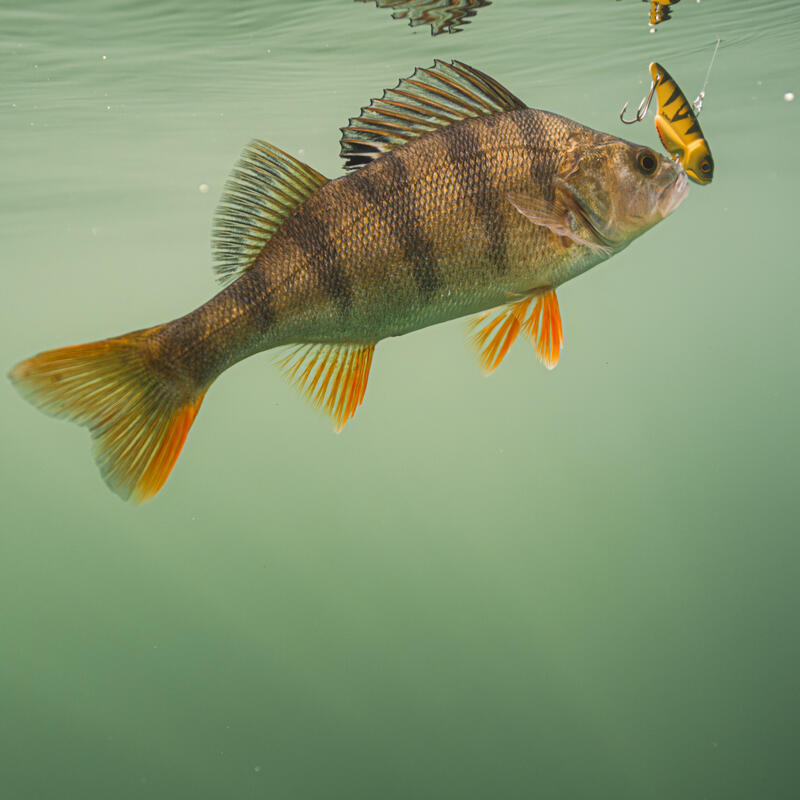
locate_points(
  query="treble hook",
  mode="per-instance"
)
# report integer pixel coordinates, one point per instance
(641, 112)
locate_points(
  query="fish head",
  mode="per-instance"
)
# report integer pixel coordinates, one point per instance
(620, 189)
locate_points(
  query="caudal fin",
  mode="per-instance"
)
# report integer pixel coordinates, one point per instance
(138, 416)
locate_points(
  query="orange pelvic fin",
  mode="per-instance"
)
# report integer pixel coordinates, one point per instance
(138, 419)
(537, 317)
(543, 328)
(331, 376)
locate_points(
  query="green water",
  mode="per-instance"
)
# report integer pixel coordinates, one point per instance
(570, 584)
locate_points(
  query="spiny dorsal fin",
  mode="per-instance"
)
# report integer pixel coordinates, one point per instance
(430, 99)
(264, 188)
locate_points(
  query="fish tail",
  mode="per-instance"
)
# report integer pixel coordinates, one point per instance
(138, 408)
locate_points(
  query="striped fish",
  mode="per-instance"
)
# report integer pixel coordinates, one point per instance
(458, 200)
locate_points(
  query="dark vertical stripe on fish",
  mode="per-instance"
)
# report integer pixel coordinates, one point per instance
(530, 132)
(392, 179)
(255, 287)
(474, 173)
(324, 256)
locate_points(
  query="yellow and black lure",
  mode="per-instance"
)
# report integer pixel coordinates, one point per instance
(676, 125)
(678, 128)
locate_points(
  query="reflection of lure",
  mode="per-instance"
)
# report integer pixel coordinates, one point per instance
(676, 124)
(660, 10)
(678, 128)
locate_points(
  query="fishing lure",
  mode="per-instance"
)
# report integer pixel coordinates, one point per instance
(678, 128)
(676, 125)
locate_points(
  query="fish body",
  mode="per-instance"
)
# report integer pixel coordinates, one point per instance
(421, 235)
(461, 200)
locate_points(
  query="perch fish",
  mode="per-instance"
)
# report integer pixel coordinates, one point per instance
(458, 200)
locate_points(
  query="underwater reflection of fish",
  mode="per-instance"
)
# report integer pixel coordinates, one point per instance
(444, 16)
(460, 199)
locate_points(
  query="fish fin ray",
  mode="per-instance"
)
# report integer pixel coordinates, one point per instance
(493, 332)
(332, 377)
(543, 329)
(265, 187)
(430, 99)
(537, 317)
(138, 419)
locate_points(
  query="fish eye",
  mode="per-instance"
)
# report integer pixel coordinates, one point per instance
(705, 166)
(647, 162)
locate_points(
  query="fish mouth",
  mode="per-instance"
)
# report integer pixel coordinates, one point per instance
(674, 194)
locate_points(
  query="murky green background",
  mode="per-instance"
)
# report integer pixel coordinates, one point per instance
(577, 584)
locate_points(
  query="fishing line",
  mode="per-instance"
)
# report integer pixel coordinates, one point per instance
(697, 103)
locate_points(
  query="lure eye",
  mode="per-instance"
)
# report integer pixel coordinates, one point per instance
(647, 162)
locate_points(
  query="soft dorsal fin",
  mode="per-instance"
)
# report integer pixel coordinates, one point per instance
(266, 185)
(430, 99)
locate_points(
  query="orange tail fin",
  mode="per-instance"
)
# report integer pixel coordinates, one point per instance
(138, 418)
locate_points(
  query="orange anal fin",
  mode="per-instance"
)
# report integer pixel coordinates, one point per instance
(331, 376)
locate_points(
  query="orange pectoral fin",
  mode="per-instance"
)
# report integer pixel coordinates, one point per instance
(331, 376)
(537, 317)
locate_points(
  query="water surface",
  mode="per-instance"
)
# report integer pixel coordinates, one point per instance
(570, 584)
